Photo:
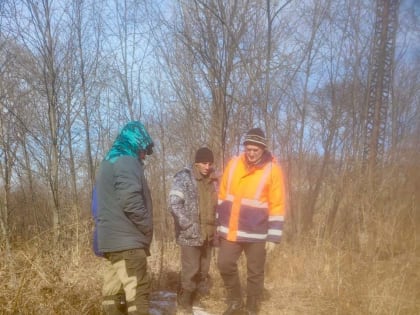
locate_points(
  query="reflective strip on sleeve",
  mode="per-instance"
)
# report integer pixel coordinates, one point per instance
(177, 193)
(278, 218)
(223, 229)
(230, 197)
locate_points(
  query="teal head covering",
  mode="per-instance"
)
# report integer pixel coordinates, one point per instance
(132, 138)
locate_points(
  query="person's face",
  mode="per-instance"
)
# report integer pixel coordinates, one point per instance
(148, 151)
(204, 168)
(142, 155)
(253, 153)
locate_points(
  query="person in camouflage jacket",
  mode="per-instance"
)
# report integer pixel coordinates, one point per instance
(193, 200)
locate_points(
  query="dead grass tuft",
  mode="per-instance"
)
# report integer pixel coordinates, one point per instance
(368, 263)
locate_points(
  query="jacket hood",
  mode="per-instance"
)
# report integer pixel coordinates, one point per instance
(132, 138)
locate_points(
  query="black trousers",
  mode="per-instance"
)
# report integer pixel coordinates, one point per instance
(227, 262)
(195, 266)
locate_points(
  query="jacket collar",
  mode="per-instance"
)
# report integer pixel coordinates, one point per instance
(198, 176)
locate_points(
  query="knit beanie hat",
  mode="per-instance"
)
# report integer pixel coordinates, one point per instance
(256, 137)
(204, 155)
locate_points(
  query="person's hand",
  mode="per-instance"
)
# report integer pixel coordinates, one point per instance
(269, 246)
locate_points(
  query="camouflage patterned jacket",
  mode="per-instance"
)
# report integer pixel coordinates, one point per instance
(193, 225)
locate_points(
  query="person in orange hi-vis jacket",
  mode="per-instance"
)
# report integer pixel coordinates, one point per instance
(250, 216)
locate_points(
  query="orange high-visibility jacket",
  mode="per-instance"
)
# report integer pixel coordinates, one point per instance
(251, 205)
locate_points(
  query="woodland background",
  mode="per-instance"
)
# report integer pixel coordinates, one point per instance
(203, 72)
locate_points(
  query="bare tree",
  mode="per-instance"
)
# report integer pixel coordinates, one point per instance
(314, 15)
(87, 69)
(8, 149)
(33, 24)
(127, 48)
(216, 58)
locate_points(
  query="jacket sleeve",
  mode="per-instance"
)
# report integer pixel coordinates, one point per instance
(94, 209)
(276, 204)
(131, 192)
(177, 197)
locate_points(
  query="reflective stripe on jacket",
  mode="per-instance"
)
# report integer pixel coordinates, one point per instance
(251, 203)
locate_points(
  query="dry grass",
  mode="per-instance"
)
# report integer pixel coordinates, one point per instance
(39, 279)
(371, 269)
(323, 279)
(306, 278)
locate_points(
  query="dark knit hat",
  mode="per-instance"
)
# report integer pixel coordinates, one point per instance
(256, 137)
(204, 155)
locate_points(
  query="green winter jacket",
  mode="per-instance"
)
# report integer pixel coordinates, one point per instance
(124, 214)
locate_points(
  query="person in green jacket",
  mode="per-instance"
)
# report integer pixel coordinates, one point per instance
(124, 222)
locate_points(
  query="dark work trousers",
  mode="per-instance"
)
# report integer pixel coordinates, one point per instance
(229, 253)
(195, 265)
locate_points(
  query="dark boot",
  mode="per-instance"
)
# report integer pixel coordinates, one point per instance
(204, 285)
(184, 300)
(199, 300)
(235, 307)
(114, 305)
(252, 305)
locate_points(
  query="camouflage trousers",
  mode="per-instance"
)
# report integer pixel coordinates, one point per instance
(126, 287)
